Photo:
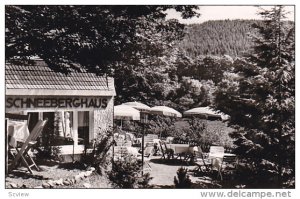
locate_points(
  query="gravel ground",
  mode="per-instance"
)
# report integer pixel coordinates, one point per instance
(162, 171)
(21, 178)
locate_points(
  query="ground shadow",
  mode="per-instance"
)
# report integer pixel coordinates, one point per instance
(46, 162)
(174, 162)
(73, 165)
(25, 175)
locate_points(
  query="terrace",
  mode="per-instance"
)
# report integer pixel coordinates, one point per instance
(163, 156)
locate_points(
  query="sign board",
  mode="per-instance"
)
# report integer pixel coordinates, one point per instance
(26, 103)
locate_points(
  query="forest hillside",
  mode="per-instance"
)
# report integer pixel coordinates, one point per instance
(218, 37)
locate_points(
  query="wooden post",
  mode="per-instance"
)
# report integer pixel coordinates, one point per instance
(75, 128)
(7, 147)
(75, 133)
(91, 126)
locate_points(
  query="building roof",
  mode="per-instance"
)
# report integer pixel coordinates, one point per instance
(39, 79)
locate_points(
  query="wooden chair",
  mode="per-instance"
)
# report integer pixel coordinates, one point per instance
(212, 162)
(148, 152)
(148, 139)
(12, 117)
(230, 163)
(216, 155)
(166, 152)
(163, 150)
(201, 160)
(26, 146)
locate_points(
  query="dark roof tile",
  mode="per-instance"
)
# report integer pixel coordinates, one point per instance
(40, 76)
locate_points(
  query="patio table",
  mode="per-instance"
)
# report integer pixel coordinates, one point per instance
(229, 155)
(183, 150)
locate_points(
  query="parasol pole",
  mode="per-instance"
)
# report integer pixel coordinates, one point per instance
(144, 121)
(143, 148)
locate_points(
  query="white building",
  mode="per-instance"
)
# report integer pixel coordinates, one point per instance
(78, 105)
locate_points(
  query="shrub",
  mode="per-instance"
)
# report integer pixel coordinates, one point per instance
(206, 133)
(183, 180)
(127, 174)
(100, 156)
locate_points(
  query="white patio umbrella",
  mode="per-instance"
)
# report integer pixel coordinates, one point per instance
(138, 105)
(164, 110)
(206, 112)
(124, 112)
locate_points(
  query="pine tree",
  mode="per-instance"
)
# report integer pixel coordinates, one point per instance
(260, 98)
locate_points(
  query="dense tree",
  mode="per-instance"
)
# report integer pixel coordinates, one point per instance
(95, 38)
(206, 67)
(220, 37)
(193, 93)
(260, 98)
(197, 79)
(151, 80)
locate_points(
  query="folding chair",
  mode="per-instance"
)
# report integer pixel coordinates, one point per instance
(214, 160)
(166, 152)
(148, 139)
(28, 144)
(148, 152)
(12, 117)
(201, 160)
(216, 155)
(230, 163)
(169, 151)
(163, 150)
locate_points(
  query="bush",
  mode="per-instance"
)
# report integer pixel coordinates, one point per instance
(127, 174)
(183, 180)
(206, 133)
(100, 157)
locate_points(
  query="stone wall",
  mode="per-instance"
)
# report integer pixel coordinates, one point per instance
(103, 118)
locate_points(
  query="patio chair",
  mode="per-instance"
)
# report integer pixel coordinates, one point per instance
(26, 146)
(213, 162)
(148, 152)
(162, 150)
(230, 163)
(166, 152)
(202, 161)
(149, 139)
(12, 117)
(120, 153)
(216, 155)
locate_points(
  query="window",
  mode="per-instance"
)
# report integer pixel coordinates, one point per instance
(83, 127)
(57, 131)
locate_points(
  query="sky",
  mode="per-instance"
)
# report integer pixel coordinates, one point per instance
(226, 12)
